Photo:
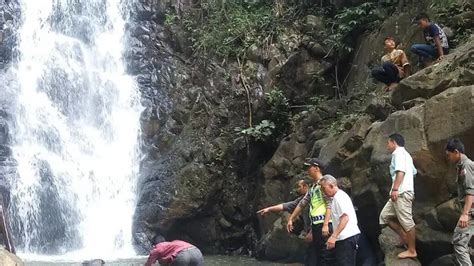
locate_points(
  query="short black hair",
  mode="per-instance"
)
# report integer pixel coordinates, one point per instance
(422, 16)
(305, 181)
(455, 144)
(398, 139)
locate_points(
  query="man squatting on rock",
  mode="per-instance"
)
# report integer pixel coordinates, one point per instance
(465, 183)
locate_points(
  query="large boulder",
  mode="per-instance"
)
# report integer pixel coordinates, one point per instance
(457, 69)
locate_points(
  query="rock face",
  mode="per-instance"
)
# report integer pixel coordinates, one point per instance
(202, 182)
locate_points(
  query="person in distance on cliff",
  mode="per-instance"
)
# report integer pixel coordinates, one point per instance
(174, 253)
(395, 65)
(301, 189)
(320, 212)
(436, 45)
(397, 213)
(465, 179)
(345, 238)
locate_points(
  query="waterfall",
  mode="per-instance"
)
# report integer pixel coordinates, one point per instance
(75, 130)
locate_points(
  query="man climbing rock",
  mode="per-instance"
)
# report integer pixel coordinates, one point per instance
(345, 238)
(320, 212)
(395, 65)
(397, 213)
(465, 180)
(302, 189)
(436, 40)
(174, 253)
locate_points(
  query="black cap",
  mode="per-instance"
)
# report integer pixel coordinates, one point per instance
(314, 162)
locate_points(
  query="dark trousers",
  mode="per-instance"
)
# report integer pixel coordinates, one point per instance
(387, 74)
(324, 256)
(346, 251)
(310, 256)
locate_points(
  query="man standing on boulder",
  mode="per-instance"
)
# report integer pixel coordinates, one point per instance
(345, 238)
(397, 213)
(320, 212)
(465, 226)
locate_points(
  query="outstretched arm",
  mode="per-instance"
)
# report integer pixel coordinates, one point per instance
(274, 208)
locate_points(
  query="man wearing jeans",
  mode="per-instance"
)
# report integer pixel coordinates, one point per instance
(344, 240)
(465, 227)
(397, 213)
(174, 253)
(436, 41)
(395, 65)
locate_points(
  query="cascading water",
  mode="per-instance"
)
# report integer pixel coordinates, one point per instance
(75, 131)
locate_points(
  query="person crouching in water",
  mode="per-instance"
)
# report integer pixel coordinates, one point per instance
(395, 65)
(174, 253)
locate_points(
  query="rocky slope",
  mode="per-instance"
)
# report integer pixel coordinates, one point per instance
(203, 182)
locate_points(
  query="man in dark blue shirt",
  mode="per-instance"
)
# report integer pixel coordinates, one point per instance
(436, 41)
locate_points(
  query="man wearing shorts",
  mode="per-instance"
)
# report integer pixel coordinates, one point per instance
(397, 213)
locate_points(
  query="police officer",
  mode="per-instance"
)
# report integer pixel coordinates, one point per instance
(465, 181)
(320, 213)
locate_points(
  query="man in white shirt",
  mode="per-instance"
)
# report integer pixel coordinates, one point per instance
(346, 233)
(397, 213)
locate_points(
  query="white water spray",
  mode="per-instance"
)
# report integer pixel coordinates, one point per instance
(76, 130)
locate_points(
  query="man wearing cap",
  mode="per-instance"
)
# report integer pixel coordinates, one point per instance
(320, 212)
(465, 201)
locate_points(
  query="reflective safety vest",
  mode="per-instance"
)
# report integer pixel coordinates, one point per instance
(317, 205)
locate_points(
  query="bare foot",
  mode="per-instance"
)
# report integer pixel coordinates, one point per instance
(407, 255)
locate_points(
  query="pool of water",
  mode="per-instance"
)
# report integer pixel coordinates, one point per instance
(139, 261)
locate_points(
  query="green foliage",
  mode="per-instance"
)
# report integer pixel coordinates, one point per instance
(447, 12)
(278, 120)
(349, 21)
(260, 132)
(228, 28)
(343, 123)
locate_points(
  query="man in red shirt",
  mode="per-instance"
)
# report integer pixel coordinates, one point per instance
(175, 253)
